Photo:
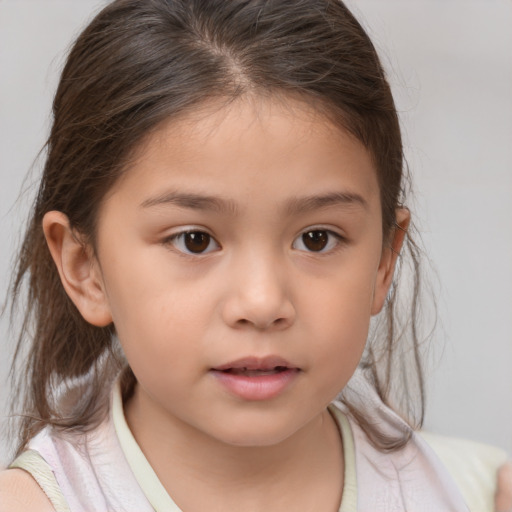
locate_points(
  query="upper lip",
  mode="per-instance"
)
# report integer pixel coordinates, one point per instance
(256, 363)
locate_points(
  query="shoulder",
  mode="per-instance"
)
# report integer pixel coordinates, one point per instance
(473, 466)
(20, 492)
(462, 455)
(503, 499)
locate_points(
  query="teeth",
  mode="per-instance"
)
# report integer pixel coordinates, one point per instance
(255, 373)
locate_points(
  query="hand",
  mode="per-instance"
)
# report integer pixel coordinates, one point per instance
(503, 497)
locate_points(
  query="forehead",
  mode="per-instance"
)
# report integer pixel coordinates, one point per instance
(217, 119)
(278, 146)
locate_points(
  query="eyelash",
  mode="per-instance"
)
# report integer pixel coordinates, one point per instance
(332, 240)
(179, 239)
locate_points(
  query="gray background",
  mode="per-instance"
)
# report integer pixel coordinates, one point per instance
(450, 64)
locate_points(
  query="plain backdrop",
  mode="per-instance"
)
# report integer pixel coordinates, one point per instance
(450, 65)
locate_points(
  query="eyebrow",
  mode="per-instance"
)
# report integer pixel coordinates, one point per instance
(293, 206)
(317, 202)
(192, 201)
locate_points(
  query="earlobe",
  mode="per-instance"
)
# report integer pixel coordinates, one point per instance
(78, 269)
(389, 258)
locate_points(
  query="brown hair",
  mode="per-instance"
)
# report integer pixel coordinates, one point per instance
(139, 63)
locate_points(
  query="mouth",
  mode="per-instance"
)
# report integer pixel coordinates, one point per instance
(254, 366)
(256, 378)
(247, 372)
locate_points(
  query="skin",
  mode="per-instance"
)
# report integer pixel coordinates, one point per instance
(19, 492)
(503, 498)
(256, 290)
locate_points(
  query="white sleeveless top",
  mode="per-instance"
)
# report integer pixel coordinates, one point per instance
(105, 470)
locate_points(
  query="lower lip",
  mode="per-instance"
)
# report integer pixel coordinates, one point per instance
(263, 387)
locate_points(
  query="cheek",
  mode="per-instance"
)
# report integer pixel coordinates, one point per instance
(339, 320)
(167, 338)
(341, 303)
(143, 287)
(343, 332)
(155, 318)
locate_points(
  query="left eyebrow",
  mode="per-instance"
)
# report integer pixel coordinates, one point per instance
(317, 202)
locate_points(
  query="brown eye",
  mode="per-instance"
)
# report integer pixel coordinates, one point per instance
(193, 242)
(315, 240)
(196, 241)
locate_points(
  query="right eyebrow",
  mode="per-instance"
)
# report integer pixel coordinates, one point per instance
(192, 201)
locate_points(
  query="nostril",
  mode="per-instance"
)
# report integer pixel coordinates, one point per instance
(260, 325)
(247, 311)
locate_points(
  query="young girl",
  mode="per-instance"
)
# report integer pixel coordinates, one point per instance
(219, 219)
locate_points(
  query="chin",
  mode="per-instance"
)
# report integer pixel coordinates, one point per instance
(254, 440)
(255, 435)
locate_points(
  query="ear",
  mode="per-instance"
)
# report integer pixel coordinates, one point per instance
(79, 270)
(388, 259)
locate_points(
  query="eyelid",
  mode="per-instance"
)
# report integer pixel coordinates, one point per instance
(170, 240)
(340, 239)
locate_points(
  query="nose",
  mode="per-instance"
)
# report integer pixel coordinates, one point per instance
(259, 295)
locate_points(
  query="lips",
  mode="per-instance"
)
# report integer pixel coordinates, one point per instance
(253, 378)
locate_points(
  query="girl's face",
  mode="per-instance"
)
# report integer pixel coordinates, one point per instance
(241, 258)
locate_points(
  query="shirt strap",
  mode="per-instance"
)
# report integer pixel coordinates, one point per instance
(32, 462)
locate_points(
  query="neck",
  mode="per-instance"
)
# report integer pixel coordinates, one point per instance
(183, 457)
